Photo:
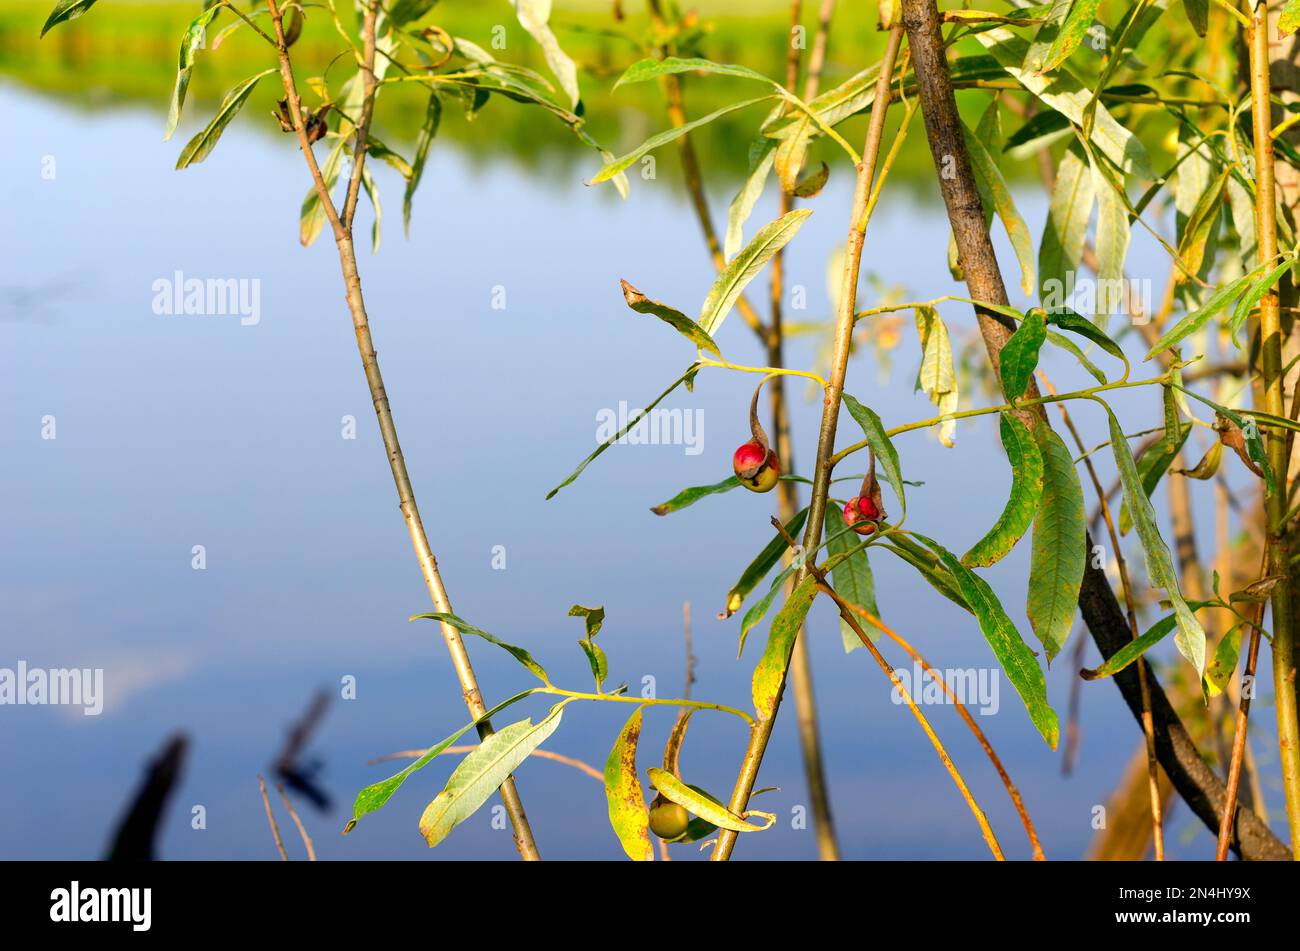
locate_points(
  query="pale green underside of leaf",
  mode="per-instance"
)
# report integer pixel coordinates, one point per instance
(704, 806)
(201, 146)
(64, 11)
(1022, 504)
(482, 772)
(533, 16)
(1067, 226)
(999, 193)
(191, 43)
(745, 266)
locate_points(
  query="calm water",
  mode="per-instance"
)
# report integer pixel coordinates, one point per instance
(181, 431)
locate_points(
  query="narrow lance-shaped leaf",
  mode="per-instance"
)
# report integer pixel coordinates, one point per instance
(627, 809)
(191, 43)
(1019, 355)
(1059, 552)
(1112, 240)
(534, 16)
(1071, 33)
(1134, 649)
(936, 376)
(761, 153)
(423, 141)
(1036, 58)
(758, 610)
(64, 11)
(1160, 567)
(663, 138)
(636, 418)
(766, 560)
(1017, 660)
(648, 69)
(483, 771)
(593, 618)
(312, 218)
(1066, 230)
(881, 445)
(990, 176)
(769, 675)
(1026, 491)
(376, 795)
(1200, 224)
(930, 568)
(1197, 319)
(706, 807)
(671, 316)
(851, 576)
(201, 146)
(1224, 665)
(744, 267)
(518, 653)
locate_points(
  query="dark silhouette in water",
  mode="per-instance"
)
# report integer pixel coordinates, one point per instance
(134, 839)
(298, 775)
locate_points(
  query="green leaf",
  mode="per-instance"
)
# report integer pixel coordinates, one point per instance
(674, 318)
(995, 186)
(312, 217)
(64, 11)
(1017, 660)
(376, 795)
(408, 11)
(1068, 345)
(769, 675)
(1037, 56)
(663, 138)
(1201, 222)
(201, 146)
(1255, 294)
(1026, 491)
(1289, 22)
(758, 610)
(744, 267)
(483, 771)
(1160, 567)
(704, 806)
(533, 16)
(1198, 14)
(1065, 93)
(930, 567)
(1152, 466)
(936, 376)
(648, 69)
(1197, 319)
(1066, 230)
(1059, 551)
(518, 653)
(1067, 319)
(851, 576)
(881, 445)
(766, 560)
(191, 43)
(1136, 648)
(761, 153)
(689, 374)
(627, 809)
(423, 140)
(1071, 33)
(687, 497)
(593, 618)
(1224, 664)
(372, 192)
(1112, 240)
(1020, 354)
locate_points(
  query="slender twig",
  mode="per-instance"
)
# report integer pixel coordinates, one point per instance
(762, 732)
(1016, 799)
(1270, 337)
(690, 651)
(1239, 734)
(270, 818)
(302, 829)
(342, 230)
(1148, 725)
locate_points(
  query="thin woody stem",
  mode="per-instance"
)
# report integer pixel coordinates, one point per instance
(762, 733)
(388, 429)
(1016, 799)
(1270, 338)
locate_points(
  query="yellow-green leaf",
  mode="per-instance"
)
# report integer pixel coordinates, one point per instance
(627, 809)
(769, 675)
(1059, 550)
(707, 808)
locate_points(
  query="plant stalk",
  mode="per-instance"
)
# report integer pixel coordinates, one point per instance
(762, 731)
(342, 229)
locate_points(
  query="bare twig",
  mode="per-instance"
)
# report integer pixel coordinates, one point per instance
(293, 814)
(270, 818)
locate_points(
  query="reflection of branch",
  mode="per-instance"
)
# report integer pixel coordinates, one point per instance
(690, 654)
(540, 754)
(134, 839)
(297, 775)
(270, 818)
